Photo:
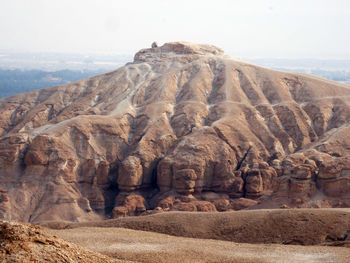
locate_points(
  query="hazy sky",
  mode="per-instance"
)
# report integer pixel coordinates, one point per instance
(243, 28)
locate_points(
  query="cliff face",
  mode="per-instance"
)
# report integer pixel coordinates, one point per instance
(183, 127)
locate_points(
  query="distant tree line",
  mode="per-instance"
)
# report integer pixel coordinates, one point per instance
(18, 81)
(332, 75)
(336, 75)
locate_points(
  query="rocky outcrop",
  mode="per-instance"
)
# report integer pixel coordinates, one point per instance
(183, 127)
(27, 243)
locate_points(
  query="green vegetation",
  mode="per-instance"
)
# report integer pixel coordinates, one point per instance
(339, 75)
(336, 75)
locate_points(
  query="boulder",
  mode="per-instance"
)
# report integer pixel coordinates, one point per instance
(130, 174)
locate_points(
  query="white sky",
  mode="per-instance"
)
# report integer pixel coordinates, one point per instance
(243, 28)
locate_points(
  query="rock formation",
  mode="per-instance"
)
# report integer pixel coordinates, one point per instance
(21, 243)
(183, 127)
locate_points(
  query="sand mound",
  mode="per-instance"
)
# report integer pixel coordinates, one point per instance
(153, 247)
(282, 226)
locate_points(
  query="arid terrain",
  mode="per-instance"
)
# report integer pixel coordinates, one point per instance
(151, 247)
(183, 155)
(27, 244)
(182, 128)
(321, 226)
(287, 235)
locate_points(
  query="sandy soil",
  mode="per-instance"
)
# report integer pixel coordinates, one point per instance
(214, 237)
(281, 226)
(143, 246)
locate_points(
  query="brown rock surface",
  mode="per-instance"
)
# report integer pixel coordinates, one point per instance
(27, 243)
(181, 120)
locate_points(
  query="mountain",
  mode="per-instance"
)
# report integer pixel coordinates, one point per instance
(183, 127)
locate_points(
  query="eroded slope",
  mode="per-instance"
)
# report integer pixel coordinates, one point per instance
(27, 243)
(183, 127)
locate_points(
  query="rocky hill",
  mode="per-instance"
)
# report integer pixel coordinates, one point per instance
(27, 243)
(183, 127)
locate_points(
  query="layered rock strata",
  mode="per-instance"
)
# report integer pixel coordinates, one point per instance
(183, 127)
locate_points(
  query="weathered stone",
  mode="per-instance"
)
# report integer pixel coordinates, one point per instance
(132, 205)
(222, 204)
(130, 173)
(184, 181)
(301, 190)
(182, 121)
(254, 182)
(337, 188)
(302, 172)
(242, 203)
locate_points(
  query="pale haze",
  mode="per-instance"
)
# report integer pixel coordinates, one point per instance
(279, 29)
